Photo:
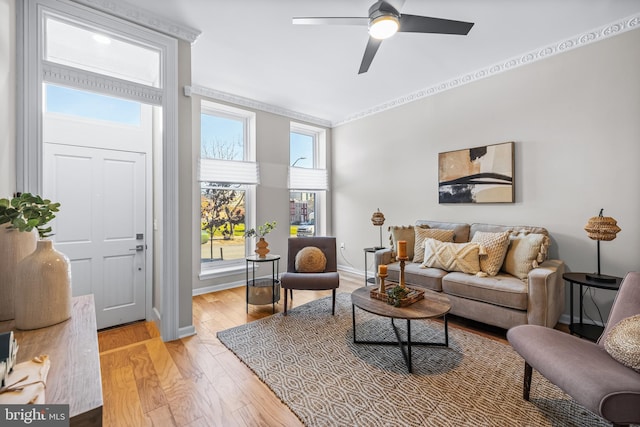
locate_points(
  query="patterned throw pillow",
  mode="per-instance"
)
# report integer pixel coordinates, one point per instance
(310, 260)
(402, 232)
(447, 256)
(428, 233)
(495, 245)
(623, 342)
(526, 251)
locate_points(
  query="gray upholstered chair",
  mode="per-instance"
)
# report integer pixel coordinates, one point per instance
(583, 369)
(328, 279)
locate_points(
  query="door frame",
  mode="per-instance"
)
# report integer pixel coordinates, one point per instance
(31, 70)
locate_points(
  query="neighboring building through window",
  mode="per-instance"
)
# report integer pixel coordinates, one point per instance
(228, 174)
(307, 180)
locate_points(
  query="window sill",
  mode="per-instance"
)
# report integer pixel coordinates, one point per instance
(228, 270)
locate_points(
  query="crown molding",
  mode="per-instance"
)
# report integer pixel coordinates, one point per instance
(143, 17)
(250, 103)
(602, 33)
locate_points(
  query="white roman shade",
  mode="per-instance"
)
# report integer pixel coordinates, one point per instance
(308, 179)
(229, 171)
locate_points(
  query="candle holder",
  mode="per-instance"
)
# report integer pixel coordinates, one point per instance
(402, 261)
(381, 288)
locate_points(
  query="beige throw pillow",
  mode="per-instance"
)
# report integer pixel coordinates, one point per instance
(402, 232)
(623, 342)
(310, 260)
(526, 251)
(448, 256)
(428, 233)
(495, 245)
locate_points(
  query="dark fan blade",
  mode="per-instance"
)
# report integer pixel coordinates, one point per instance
(426, 24)
(369, 53)
(331, 21)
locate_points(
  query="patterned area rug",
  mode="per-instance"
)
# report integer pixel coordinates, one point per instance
(310, 362)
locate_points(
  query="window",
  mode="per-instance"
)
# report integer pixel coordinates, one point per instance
(228, 173)
(307, 180)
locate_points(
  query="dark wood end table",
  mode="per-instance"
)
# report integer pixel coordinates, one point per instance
(433, 305)
(586, 330)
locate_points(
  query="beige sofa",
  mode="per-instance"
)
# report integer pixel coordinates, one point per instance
(502, 300)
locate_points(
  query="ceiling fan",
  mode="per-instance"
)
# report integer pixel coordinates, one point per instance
(384, 21)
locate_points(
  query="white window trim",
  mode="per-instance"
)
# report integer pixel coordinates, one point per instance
(319, 162)
(31, 75)
(231, 267)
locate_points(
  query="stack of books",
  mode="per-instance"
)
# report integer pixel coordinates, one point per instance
(8, 354)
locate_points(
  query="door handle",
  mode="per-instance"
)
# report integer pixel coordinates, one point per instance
(138, 248)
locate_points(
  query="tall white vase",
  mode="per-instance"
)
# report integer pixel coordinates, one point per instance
(14, 246)
(43, 292)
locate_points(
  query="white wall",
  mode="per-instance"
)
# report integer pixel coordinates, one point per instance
(574, 118)
(7, 98)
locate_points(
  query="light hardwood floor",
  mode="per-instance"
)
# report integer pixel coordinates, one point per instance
(196, 381)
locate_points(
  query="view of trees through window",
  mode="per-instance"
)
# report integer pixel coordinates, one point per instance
(222, 205)
(302, 205)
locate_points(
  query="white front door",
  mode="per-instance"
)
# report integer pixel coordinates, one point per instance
(101, 225)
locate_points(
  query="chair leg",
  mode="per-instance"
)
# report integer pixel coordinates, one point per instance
(333, 306)
(526, 387)
(285, 302)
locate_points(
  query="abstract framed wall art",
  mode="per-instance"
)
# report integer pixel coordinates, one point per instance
(477, 175)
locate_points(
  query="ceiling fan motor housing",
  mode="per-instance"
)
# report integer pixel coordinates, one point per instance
(382, 8)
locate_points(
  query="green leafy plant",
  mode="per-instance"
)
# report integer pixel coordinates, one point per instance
(395, 294)
(262, 230)
(26, 212)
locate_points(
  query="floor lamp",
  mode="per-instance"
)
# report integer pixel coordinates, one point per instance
(378, 219)
(601, 228)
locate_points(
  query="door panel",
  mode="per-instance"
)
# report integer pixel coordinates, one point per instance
(102, 196)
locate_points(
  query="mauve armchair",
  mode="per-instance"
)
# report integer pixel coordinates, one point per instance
(583, 369)
(328, 279)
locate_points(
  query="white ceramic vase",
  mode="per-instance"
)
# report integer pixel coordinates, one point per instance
(43, 292)
(14, 246)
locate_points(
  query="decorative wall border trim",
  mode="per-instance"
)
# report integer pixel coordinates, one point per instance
(250, 103)
(604, 32)
(143, 17)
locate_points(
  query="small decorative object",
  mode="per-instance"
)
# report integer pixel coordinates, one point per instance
(382, 274)
(477, 175)
(263, 230)
(601, 228)
(394, 295)
(20, 217)
(402, 257)
(8, 355)
(378, 219)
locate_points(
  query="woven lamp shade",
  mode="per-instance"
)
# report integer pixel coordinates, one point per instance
(602, 228)
(377, 218)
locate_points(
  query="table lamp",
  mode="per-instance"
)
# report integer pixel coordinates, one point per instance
(378, 219)
(601, 228)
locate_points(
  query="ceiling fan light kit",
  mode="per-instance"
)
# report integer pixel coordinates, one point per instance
(384, 21)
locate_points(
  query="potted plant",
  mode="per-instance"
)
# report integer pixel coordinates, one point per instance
(42, 277)
(260, 232)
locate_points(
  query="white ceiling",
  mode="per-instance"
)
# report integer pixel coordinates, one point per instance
(249, 48)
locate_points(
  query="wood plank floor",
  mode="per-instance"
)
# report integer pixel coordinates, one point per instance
(196, 381)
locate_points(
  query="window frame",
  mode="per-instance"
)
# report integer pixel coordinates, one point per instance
(319, 136)
(248, 118)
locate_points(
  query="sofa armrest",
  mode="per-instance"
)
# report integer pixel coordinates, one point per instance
(383, 257)
(546, 293)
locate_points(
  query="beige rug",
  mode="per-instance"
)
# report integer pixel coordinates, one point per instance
(309, 361)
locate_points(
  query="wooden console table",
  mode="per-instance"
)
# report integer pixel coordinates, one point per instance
(74, 377)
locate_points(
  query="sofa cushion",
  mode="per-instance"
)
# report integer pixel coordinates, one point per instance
(310, 260)
(502, 289)
(462, 257)
(623, 342)
(460, 230)
(526, 251)
(414, 275)
(494, 228)
(428, 233)
(402, 232)
(495, 245)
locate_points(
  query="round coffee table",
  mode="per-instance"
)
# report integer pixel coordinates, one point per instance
(434, 304)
